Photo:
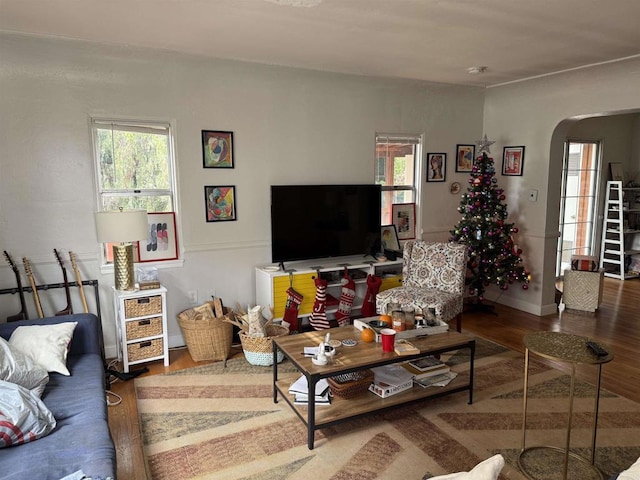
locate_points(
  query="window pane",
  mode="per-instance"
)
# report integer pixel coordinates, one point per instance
(150, 203)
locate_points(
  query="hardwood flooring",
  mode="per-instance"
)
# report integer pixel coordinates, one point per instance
(616, 324)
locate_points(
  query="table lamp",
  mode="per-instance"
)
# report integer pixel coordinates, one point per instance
(125, 227)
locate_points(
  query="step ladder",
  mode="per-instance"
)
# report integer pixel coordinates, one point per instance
(617, 237)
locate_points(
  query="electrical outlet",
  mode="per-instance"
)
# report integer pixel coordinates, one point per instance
(193, 297)
(533, 195)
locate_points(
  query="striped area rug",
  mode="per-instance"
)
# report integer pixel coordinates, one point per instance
(216, 422)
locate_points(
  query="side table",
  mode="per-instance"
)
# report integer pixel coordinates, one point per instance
(571, 349)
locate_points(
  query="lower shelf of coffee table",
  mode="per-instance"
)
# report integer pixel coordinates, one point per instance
(343, 409)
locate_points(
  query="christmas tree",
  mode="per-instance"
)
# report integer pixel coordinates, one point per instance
(494, 258)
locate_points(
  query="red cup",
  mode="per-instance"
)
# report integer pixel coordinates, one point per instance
(388, 339)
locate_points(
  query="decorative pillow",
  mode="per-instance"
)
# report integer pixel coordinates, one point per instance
(23, 416)
(17, 367)
(48, 345)
(487, 470)
(631, 473)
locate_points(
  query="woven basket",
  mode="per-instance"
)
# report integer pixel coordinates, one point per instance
(259, 350)
(349, 385)
(207, 338)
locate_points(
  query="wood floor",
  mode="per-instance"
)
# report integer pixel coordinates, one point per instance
(616, 324)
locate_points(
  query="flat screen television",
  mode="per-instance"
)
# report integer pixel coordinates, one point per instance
(318, 221)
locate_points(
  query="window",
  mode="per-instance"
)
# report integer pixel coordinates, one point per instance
(134, 165)
(397, 170)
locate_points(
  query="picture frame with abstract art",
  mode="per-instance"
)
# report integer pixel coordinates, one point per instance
(217, 149)
(465, 157)
(404, 219)
(220, 203)
(512, 161)
(436, 167)
(162, 242)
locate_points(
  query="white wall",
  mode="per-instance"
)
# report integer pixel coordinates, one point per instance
(539, 114)
(290, 126)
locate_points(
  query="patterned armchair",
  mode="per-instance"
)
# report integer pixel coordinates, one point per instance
(433, 276)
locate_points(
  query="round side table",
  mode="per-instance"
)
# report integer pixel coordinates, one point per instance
(573, 350)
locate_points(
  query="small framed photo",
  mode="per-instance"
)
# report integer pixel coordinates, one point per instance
(217, 149)
(512, 161)
(465, 157)
(436, 167)
(162, 242)
(404, 219)
(220, 203)
(389, 238)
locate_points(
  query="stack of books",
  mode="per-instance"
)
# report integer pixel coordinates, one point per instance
(429, 371)
(390, 379)
(300, 390)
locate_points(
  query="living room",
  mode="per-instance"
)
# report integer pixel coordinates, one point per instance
(291, 125)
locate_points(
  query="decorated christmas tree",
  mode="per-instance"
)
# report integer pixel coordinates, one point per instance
(494, 257)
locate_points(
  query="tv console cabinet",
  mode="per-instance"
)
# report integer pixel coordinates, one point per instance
(273, 282)
(360, 357)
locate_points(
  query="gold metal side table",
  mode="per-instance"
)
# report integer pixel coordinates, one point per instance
(571, 349)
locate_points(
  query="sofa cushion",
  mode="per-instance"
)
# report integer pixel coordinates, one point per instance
(23, 416)
(48, 345)
(486, 470)
(17, 367)
(631, 473)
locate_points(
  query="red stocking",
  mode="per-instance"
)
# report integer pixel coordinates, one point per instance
(318, 318)
(373, 287)
(346, 299)
(294, 299)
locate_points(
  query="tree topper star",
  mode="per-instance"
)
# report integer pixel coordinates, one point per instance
(484, 144)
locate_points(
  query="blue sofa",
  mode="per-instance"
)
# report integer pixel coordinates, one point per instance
(81, 439)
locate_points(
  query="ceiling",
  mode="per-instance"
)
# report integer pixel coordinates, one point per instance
(434, 40)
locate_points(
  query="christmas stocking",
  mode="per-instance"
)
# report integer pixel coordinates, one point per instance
(318, 319)
(373, 287)
(346, 299)
(294, 299)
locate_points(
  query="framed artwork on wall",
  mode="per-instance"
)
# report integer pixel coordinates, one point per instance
(220, 203)
(436, 167)
(512, 161)
(162, 242)
(389, 237)
(217, 149)
(404, 219)
(465, 157)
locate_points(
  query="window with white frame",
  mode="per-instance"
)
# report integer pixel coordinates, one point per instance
(397, 170)
(135, 167)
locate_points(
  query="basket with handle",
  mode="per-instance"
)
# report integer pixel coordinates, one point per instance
(207, 337)
(259, 350)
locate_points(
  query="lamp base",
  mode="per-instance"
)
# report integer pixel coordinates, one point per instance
(123, 267)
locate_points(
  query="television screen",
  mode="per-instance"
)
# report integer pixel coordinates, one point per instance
(317, 221)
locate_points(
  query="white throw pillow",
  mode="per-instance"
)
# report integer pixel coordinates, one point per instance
(48, 345)
(487, 470)
(17, 367)
(631, 473)
(23, 416)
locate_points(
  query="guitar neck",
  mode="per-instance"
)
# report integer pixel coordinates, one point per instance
(68, 310)
(34, 287)
(79, 281)
(22, 315)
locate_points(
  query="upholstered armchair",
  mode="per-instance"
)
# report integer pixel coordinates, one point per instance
(433, 275)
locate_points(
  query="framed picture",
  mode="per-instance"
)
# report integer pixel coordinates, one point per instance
(512, 160)
(162, 243)
(404, 219)
(617, 174)
(436, 167)
(220, 203)
(465, 156)
(389, 237)
(217, 149)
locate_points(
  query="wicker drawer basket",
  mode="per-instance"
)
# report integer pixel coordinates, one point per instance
(145, 349)
(148, 327)
(139, 307)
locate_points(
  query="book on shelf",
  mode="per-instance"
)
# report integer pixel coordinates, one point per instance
(390, 379)
(301, 386)
(417, 374)
(402, 347)
(426, 363)
(441, 380)
(303, 399)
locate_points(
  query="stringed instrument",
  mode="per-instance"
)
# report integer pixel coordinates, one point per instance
(22, 315)
(69, 309)
(72, 256)
(34, 287)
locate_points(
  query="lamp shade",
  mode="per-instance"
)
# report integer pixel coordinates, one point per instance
(121, 226)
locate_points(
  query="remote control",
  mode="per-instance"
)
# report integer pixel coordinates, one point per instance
(597, 349)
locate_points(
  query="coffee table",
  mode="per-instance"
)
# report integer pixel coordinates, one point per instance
(360, 357)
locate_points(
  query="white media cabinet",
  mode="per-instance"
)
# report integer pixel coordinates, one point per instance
(272, 282)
